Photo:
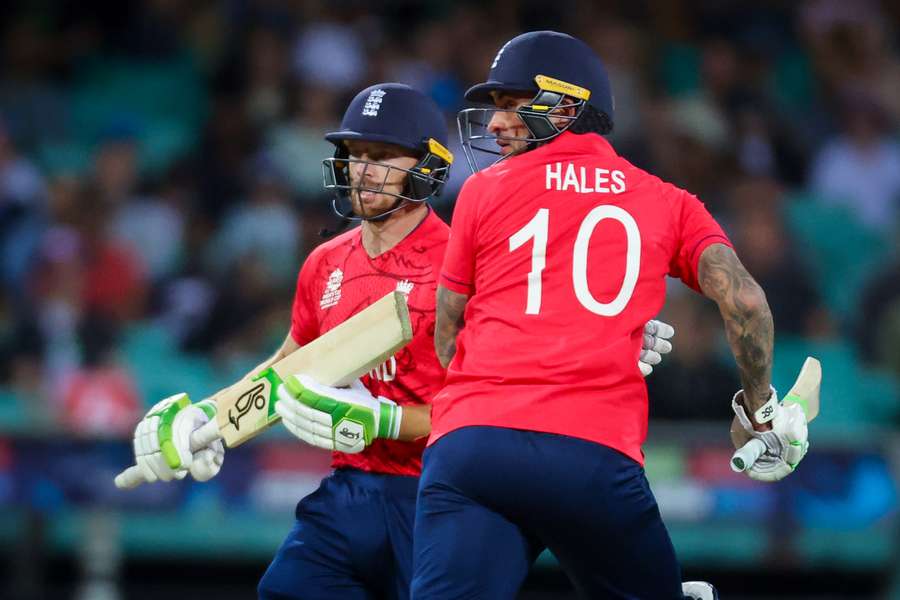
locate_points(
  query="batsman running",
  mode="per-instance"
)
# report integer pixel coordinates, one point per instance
(558, 255)
(353, 535)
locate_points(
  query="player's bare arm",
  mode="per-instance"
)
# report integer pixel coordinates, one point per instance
(771, 436)
(748, 320)
(448, 322)
(779, 432)
(288, 346)
(416, 422)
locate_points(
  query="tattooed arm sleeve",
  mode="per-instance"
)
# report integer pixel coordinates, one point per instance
(449, 320)
(748, 320)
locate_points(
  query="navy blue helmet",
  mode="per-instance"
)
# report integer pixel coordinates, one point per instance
(397, 114)
(560, 70)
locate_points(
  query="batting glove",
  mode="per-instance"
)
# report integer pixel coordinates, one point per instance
(655, 343)
(342, 419)
(786, 443)
(204, 463)
(162, 446)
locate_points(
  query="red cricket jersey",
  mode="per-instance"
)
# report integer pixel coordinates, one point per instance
(564, 252)
(338, 280)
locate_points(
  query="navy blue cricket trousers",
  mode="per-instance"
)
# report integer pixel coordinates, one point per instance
(491, 499)
(352, 540)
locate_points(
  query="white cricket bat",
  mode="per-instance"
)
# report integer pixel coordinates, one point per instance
(805, 392)
(336, 358)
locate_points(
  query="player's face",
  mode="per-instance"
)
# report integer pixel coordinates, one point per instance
(506, 124)
(379, 174)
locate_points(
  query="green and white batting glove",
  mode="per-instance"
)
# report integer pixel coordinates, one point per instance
(787, 442)
(342, 419)
(162, 441)
(206, 462)
(655, 343)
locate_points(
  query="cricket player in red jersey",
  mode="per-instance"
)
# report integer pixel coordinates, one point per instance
(558, 255)
(353, 536)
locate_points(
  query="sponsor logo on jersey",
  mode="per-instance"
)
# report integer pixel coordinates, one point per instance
(405, 287)
(373, 103)
(386, 371)
(332, 293)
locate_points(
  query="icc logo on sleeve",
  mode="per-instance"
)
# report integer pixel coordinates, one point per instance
(332, 293)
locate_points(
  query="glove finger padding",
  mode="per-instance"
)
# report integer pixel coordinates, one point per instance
(656, 344)
(650, 357)
(304, 418)
(769, 469)
(659, 329)
(207, 462)
(311, 426)
(792, 428)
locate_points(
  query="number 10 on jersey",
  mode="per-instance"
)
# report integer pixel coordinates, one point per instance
(538, 228)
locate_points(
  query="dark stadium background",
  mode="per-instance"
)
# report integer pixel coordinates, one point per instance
(160, 183)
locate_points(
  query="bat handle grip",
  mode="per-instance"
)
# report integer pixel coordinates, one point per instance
(746, 455)
(129, 478)
(203, 436)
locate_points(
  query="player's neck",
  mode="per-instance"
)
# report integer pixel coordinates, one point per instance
(380, 236)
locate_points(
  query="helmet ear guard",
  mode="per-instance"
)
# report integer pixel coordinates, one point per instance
(428, 176)
(536, 116)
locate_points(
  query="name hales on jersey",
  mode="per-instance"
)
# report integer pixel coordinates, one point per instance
(566, 177)
(361, 343)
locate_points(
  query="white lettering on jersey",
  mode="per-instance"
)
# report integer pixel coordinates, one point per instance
(373, 103)
(387, 371)
(570, 180)
(618, 178)
(582, 181)
(332, 293)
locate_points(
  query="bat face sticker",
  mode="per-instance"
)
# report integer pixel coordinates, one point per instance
(254, 397)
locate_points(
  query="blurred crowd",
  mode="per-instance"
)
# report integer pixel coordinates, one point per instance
(160, 177)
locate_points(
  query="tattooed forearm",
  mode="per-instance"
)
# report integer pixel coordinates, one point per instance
(449, 320)
(748, 320)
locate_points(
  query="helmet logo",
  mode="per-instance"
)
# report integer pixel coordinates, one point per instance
(559, 86)
(373, 103)
(500, 53)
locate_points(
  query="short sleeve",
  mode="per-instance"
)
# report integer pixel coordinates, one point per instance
(697, 230)
(304, 324)
(458, 272)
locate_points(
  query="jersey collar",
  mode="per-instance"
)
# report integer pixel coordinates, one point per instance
(424, 225)
(580, 143)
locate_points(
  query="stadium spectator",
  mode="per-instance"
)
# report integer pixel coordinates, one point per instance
(860, 168)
